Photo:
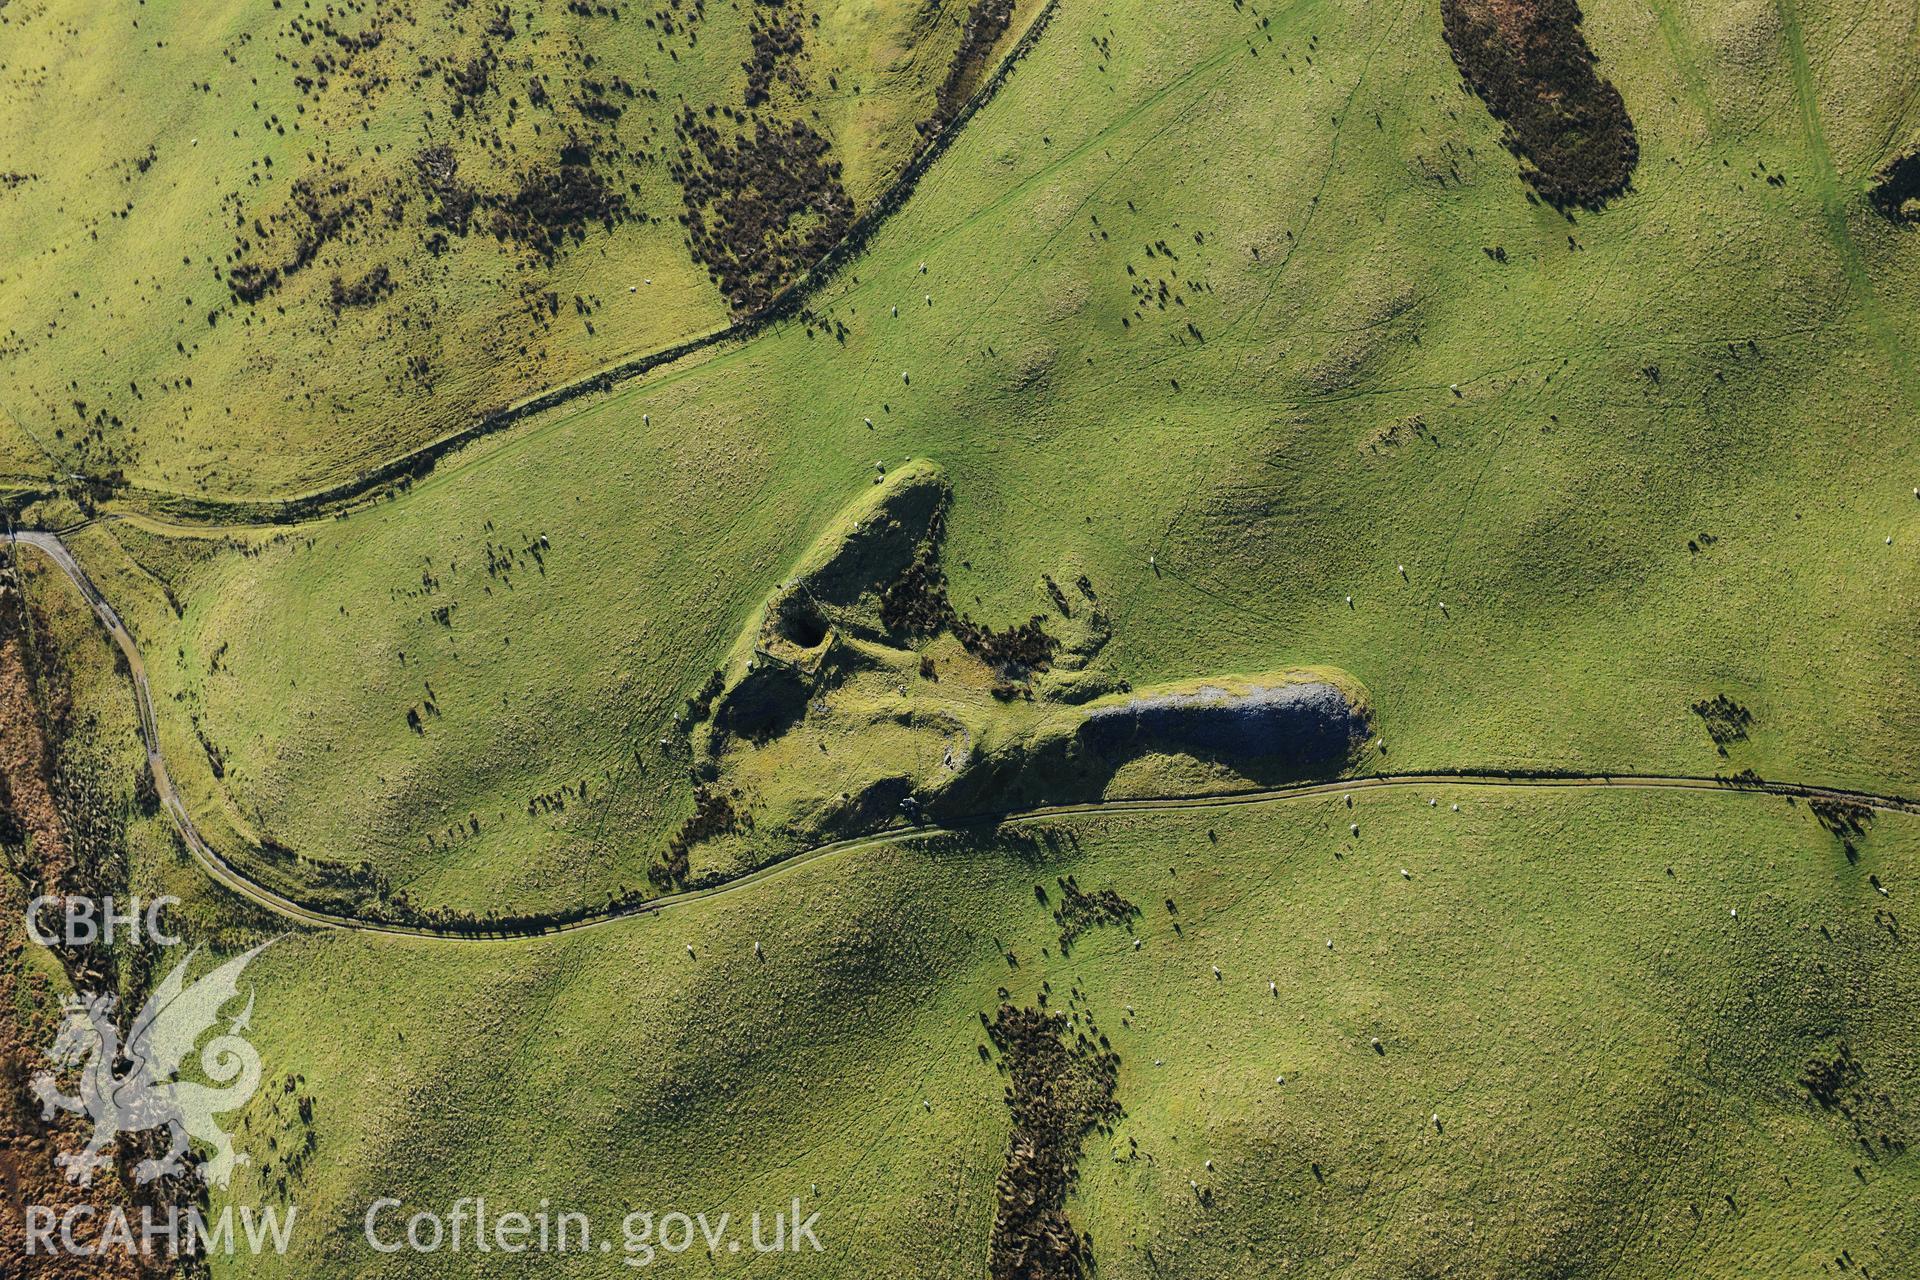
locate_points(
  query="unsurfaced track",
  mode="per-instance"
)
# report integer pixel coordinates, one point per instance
(233, 878)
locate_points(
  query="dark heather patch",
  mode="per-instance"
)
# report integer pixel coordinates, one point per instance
(916, 605)
(317, 213)
(551, 206)
(364, 292)
(1727, 721)
(1080, 911)
(1531, 64)
(1896, 188)
(1838, 1083)
(779, 40)
(987, 21)
(762, 205)
(1059, 1090)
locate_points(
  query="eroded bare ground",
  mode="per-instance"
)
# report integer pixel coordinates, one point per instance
(1567, 124)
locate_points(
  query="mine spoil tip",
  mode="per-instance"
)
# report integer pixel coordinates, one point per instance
(1308, 724)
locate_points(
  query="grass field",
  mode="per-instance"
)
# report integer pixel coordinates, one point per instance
(1697, 424)
(1613, 1057)
(444, 207)
(1242, 316)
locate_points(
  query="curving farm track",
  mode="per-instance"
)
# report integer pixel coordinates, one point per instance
(234, 879)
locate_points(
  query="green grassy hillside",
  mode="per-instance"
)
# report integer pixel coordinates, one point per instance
(1614, 1059)
(278, 244)
(1240, 321)
(1651, 458)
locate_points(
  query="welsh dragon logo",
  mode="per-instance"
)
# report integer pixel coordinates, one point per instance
(147, 1094)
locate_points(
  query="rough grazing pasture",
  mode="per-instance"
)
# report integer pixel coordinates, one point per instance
(1584, 1063)
(1242, 341)
(284, 243)
(1231, 399)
